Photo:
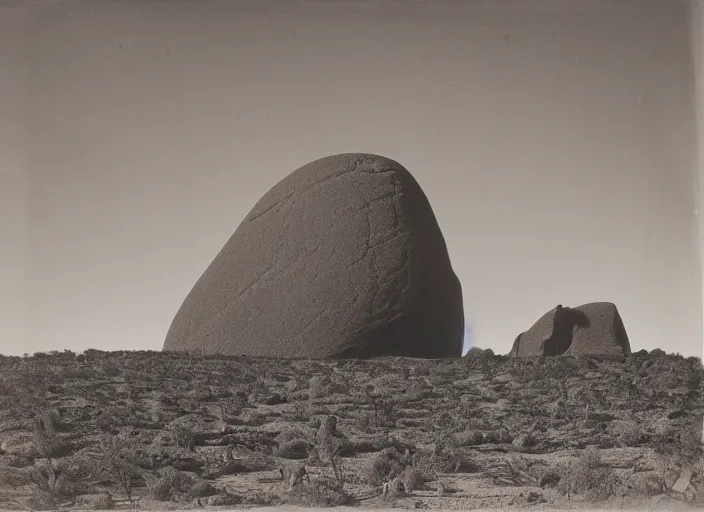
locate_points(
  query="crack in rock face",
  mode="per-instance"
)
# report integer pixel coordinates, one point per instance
(342, 258)
(594, 329)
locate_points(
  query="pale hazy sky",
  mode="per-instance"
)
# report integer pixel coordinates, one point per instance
(556, 145)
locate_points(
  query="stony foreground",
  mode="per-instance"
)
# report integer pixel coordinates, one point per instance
(178, 431)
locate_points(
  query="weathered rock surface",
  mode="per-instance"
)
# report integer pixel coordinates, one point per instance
(342, 258)
(591, 329)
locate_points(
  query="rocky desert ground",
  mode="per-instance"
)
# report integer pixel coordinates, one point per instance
(165, 431)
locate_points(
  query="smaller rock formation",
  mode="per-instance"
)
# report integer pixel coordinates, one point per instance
(590, 329)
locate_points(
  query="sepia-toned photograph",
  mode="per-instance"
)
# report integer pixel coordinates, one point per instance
(290, 255)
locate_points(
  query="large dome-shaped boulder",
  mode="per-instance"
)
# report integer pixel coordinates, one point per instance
(590, 329)
(342, 258)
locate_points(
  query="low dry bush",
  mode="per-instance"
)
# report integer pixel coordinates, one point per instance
(177, 486)
(383, 466)
(383, 415)
(293, 434)
(500, 436)
(294, 449)
(13, 477)
(46, 439)
(253, 418)
(252, 460)
(184, 437)
(318, 494)
(643, 485)
(116, 461)
(357, 446)
(293, 443)
(103, 502)
(469, 438)
(55, 481)
(413, 479)
(448, 457)
(300, 412)
(631, 435)
(590, 477)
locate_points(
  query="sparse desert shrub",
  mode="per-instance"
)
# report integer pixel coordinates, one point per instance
(116, 461)
(50, 421)
(548, 478)
(643, 484)
(469, 438)
(413, 479)
(329, 443)
(13, 477)
(498, 436)
(244, 461)
(184, 437)
(519, 470)
(230, 410)
(381, 467)
(423, 461)
(527, 440)
(273, 399)
(106, 421)
(366, 422)
(293, 434)
(253, 418)
(454, 460)
(165, 400)
(256, 385)
(352, 448)
(45, 438)
(170, 485)
(317, 410)
(677, 449)
(224, 499)
(321, 386)
(448, 457)
(318, 494)
(256, 460)
(447, 422)
(421, 370)
(300, 412)
(630, 435)
(293, 449)
(54, 481)
(202, 489)
(384, 413)
(589, 476)
(103, 502)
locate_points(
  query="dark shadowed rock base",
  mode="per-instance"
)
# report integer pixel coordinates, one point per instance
(591, 329)
(342, 258)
